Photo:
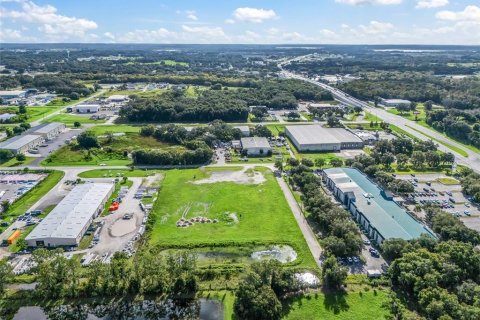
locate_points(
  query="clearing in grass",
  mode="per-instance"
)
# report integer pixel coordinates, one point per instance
(243, 207)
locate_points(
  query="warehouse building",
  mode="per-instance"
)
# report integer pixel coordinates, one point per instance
(372, 207)
(318, 138)
(49, 130)
(70, 219)
(255, 146)
(12, 94)
(86, 108)
(23, 143)
(394, 103)
(117, 98)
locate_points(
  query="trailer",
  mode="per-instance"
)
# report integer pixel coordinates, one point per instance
(14, 236)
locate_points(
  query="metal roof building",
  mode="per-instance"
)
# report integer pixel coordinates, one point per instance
(70, 219)
(370, 206)
(256, 145)
(317, 138)
(21, 144)
(48, 130)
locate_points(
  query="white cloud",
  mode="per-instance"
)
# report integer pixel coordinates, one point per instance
(204, 34)
(427, 4)
(10, 35)
(376, 27)
(369, 2)
(109, 35)
(189, 14)
(295, 37)
(49, 21)
(229, 21)
(328, 34)
(254, 15)
(470, 13)
(272, 31)
(161, 35)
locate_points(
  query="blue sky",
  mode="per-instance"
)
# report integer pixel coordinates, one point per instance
(231, 21)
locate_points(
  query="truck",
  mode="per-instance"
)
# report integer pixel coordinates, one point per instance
(14, 236)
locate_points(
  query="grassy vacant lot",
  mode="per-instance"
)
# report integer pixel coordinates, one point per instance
(360, 305)
(112, 153)
(103, 129)
(29, 199)
(262, 213)
(36, 113)
(100, 173)
(70, 119)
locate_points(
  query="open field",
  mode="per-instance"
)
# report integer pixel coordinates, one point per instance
(358, 305)
(29, 199)
(70, 119)
(103, 129)
(101, 173)
(247, 213)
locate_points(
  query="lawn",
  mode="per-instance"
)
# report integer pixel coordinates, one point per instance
(29, 199)
(101, 173)
(37, 113)
(103, 129)
(14, 162)
(359, 305)
(260, 213)
(276, 128)
(70, 119)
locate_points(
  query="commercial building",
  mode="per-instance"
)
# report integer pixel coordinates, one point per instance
(117, 98)
(66, 224)
(394, 103)
(23, 143)
(12, 94)
(48, 130)
(255, 146)
(245, 130)
(372, 207)
(318, 138)
(86, 108)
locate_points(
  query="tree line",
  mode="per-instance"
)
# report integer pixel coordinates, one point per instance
(458, 124)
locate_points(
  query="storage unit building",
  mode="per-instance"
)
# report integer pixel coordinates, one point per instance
(318, 138)
(255, 146)
(23, 143)
(370, 206)
(49, 130)
(70, 219)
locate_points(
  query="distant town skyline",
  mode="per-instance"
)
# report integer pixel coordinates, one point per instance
(242, 22)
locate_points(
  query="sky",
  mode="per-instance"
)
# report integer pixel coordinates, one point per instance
(242, 21)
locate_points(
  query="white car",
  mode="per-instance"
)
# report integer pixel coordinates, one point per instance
(466, 212)
(102, 164)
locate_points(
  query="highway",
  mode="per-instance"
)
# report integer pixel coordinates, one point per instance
(416, 130)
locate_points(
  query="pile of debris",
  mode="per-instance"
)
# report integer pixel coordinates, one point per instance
(185, 223)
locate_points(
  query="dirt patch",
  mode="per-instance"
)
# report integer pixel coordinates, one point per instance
(122, 227)
(152, 181)
(246, 176)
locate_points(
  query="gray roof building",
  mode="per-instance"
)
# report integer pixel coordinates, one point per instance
(70, 219)
(256, 145)
(318, 138)
(21, 144)
(48, 130)
(371, 206)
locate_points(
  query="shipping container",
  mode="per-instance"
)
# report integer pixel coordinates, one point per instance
(14, 236)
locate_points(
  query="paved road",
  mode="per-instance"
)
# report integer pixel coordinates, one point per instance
(308, 234)
(473, 159)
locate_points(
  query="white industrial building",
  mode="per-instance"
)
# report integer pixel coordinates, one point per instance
(49, 130)
(245, 130)
(255, 146)
(23, 143)
(317, 138)
(394, 103)
(70, 219)
(86, 108)
(12, 94)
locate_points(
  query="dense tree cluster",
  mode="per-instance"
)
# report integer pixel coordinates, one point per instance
(341, 234)
(260, 292)
(148, 273)
(470, 181)
(460, 125)
(449, 227)
(172, 157)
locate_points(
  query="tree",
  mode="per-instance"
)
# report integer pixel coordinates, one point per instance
(336, 162)
(20, 157)
(428, 105)
(448, 157)
(320, 162)
(418, 159)
(279, 165)
(77, 124)
(402, 161)
(74, 96)
(261, 131)
(387, 159)
(333, 122)
(5, 275)
(413, 106)
(22, 109)
(259, 112)
(432, 158)
(333, 274)
(5, 205)
(307, 162)
(253, 303)
(87, 140)
(5, 155)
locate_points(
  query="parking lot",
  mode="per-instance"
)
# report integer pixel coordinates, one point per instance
(430, 190)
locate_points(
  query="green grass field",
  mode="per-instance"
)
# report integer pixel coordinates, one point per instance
(263, 214)
(25, 202)
(70, 119)
(14, 162)
(37, 113)
(100, 173)
(103, 129)
(359, 305)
